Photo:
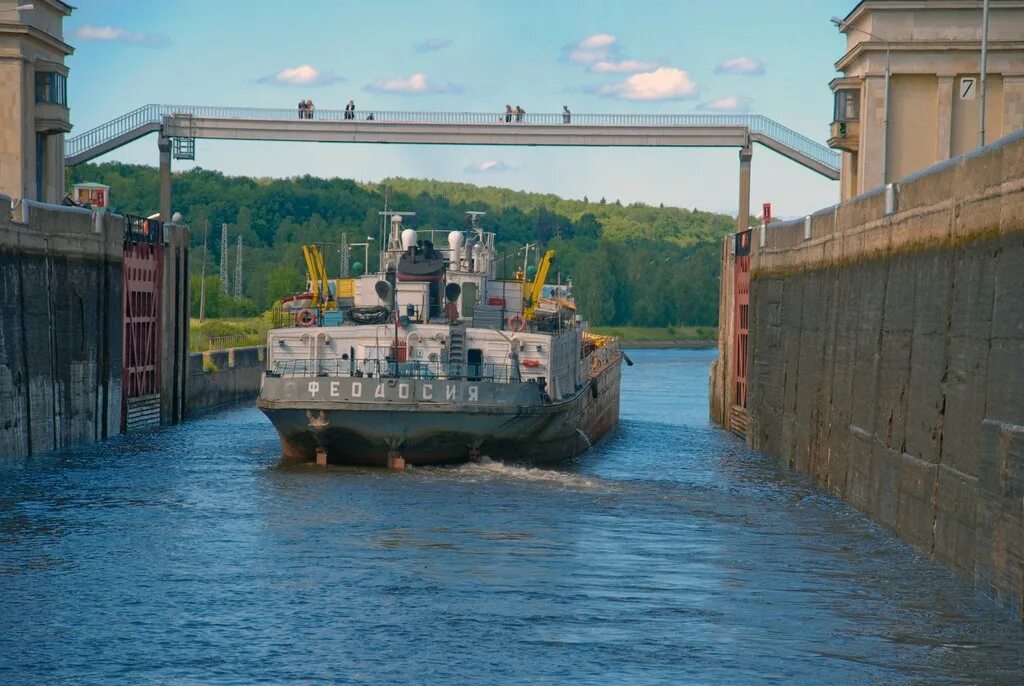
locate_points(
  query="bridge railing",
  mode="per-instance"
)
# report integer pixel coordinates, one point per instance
(154, 114)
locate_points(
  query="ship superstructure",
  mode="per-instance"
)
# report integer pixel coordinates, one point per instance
(434, 359)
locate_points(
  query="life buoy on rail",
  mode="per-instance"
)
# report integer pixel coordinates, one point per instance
(516, 322)
(531, 363)
(305, 317)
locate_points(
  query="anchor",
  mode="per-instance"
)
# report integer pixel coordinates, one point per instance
(317, 422)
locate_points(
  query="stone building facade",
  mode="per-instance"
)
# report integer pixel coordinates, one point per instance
(933, 52)
(34, 114)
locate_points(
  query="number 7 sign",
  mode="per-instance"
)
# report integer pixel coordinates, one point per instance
(968, 88)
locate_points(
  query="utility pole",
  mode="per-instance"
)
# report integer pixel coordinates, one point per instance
(202, 283)
(344, 255)
(224, 260)
(982, 77)
(238, 270)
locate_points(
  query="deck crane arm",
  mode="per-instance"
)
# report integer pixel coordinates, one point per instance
(321, 273)
(318, 284)
(537, 289)
(314, 282)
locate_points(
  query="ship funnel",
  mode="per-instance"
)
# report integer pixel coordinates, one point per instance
(408, 238)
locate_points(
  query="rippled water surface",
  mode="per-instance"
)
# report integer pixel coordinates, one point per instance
(669, 554)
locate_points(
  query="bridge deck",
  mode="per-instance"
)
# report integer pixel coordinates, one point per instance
(454, 128)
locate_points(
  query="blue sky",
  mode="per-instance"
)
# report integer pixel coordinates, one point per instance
(765, 57)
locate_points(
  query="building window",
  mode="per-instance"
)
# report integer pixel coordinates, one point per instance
(847, 105)
(51, 87)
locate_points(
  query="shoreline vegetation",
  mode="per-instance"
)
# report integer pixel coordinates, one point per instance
(631, 264)
(687, 337)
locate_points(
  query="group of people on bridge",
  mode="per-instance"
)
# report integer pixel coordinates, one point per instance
(517, 113)
(306, 110)
(511, 114)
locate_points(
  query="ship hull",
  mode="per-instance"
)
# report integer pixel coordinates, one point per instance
(367, 433)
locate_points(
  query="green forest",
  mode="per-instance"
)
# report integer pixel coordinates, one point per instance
(631, 265)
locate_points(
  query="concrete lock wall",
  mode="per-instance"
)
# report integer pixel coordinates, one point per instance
(60, 327)
(887, 359)
(223, 377)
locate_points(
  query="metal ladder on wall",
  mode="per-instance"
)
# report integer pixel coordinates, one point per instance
(456, 351)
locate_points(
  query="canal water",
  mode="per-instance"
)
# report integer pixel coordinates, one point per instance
(670, 554)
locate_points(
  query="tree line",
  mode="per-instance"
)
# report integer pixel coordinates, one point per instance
(634, 264)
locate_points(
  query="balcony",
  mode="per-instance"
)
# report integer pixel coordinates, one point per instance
(844, 135)
(52, 118)
(845, 131)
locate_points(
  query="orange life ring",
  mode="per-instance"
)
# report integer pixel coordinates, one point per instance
(305, 317)
(531, 363)
(516, 322)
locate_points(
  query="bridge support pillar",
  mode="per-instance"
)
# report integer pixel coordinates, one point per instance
(164, 144)
(743, 220)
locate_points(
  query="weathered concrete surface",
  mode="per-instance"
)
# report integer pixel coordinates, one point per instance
(60, 328)
(174, 325)
(887, 360)
(720, 392)
(223, 377)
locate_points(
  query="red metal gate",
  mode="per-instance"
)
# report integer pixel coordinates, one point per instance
(140, 367)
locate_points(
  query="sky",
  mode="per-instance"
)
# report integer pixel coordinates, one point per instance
(769, 57)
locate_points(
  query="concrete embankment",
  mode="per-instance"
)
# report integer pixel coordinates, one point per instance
(886, 359)
(223, 377)
(60, 327)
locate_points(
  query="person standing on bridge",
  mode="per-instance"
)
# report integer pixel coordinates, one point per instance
(309, 109)
(350, 110)
(566, 114)
(508, 114)
(519, 114)
(302, 109)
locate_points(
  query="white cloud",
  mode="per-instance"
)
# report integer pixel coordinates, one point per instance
(596, 48)
(732, 103)
(488, 167)
(432, 45)
(741, 65)
(114, 34)
(664, 83)
(622, 67)
(417, 84)
(302, 75)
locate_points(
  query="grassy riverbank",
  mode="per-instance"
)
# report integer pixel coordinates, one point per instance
(221, 333)
(662, 337)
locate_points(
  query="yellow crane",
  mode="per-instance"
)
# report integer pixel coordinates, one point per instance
(317, 276)
(537, 289)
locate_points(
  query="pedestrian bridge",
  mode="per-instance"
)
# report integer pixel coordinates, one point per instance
(179, 126)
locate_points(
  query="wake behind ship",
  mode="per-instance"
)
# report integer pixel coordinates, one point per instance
(434, 360)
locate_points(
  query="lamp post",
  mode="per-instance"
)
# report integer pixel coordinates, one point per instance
(983, 76)
(844, 25)
(366, 252)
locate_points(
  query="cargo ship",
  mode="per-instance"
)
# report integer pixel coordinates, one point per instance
(433, 359)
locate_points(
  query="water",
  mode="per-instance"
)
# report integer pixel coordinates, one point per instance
(670, 554)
